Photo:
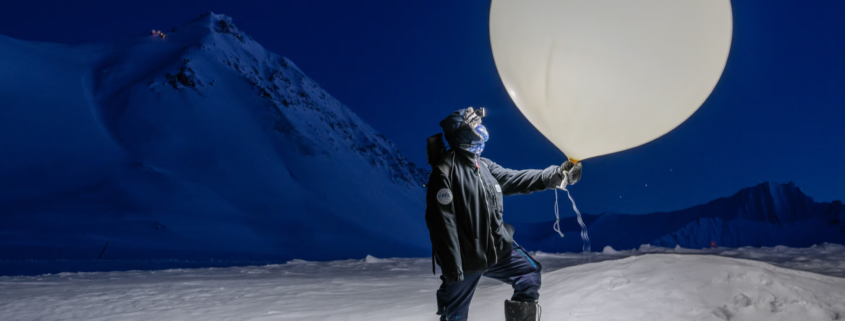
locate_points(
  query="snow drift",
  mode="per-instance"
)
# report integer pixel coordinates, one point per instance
(690, 287)
(200, 145)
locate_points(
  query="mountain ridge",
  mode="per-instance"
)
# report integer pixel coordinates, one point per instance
(767, 214)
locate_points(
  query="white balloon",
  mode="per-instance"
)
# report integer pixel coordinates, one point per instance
(602, 76)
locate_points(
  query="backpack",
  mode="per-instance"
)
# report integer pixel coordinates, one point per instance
(435, 150)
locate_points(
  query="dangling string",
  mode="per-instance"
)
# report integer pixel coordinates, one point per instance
(557, 216)
(584, 236)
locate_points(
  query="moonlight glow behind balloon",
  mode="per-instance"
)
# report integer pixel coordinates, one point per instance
(602, 76)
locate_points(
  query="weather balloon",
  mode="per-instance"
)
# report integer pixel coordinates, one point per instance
(602, 76)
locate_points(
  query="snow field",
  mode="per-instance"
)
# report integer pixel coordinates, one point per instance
(645, 284)
(690, 287)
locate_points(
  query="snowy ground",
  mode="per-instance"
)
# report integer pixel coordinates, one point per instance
(646, 284)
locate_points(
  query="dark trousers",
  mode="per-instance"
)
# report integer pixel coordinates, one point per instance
(519, 270)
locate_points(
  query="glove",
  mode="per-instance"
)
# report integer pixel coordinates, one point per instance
(571, 171)
(452, 278)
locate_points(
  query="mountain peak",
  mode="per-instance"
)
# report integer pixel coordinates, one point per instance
(304, 112)
(200, 124)
(775, 188)
(773, 202)
(205, 30)
(207, 20)
(221, 23)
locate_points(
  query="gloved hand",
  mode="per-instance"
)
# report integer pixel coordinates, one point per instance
(571, 171)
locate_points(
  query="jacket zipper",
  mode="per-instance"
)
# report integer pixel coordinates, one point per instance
(490, 240)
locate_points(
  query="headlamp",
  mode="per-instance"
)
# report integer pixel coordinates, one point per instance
(480, 112)
(472, 117)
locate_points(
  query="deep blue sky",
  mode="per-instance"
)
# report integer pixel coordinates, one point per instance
(776, 115)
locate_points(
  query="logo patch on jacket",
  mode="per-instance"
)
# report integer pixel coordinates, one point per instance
(498, 188)
(444, 196)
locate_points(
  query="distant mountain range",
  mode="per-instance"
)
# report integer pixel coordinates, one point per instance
(768, 214)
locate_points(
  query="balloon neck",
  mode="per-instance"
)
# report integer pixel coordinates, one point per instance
(573, 160)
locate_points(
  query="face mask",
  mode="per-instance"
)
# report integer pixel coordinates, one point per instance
(476, 146)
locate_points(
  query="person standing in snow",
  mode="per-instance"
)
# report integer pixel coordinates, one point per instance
(464, 219)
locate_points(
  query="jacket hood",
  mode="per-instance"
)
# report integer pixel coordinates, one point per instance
(460, 136)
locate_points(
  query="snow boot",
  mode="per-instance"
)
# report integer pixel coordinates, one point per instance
(522, 311)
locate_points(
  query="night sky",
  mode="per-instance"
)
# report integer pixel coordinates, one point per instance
(776, 115)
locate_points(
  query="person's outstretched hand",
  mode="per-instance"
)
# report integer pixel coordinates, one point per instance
(572, 172)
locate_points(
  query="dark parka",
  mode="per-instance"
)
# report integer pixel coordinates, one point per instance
(468, 234)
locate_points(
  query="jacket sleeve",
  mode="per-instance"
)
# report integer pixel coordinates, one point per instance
(522, 181)
(442, 228)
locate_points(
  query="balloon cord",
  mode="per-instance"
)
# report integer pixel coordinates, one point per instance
(557, 216)
(584, 236)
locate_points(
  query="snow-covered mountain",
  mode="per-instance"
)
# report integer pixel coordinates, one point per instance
(200, 145)
(768, 214)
